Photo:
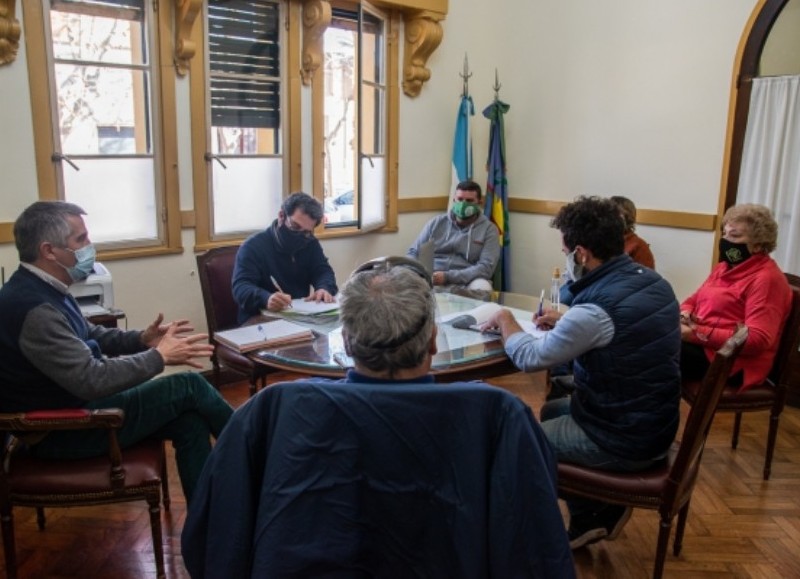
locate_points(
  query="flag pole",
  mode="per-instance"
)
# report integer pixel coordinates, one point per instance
(465, 76)
(462, 144)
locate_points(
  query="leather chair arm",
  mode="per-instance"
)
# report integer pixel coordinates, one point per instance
(62, 419)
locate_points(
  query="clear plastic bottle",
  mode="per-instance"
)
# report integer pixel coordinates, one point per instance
(555, 289)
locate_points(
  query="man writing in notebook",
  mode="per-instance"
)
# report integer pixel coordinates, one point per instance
(622, 330)
(51, 358)
(466, 245)
(283, 262)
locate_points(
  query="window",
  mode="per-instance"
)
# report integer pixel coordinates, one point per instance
(354, 136)
(100, 142)
(280, 105)
(244, 154)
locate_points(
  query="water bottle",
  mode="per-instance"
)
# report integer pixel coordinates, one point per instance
(555, 290)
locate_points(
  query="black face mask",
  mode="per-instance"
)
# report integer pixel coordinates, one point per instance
(733, 253)
(293, 240)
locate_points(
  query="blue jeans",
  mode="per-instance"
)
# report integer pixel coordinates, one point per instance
(183, 408)
(572, 444)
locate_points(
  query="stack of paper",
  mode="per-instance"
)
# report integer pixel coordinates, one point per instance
(266, 335)
(301, 306)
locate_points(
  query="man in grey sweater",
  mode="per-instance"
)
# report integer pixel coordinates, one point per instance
(51, 357)
(466, 244)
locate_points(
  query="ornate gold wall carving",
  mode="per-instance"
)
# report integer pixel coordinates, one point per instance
(423, 35)
(316, 19)
(186, 12)
(9, 31)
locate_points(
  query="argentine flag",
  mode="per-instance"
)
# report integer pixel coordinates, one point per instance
(462, 144)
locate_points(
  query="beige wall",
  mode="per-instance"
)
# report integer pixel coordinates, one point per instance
(617, 97)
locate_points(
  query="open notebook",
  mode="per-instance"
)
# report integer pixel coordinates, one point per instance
(265, 335)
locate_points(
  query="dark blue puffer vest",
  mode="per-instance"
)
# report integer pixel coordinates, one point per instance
(627, 394)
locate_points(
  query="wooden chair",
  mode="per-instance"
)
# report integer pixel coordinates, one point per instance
(667, 487)
(137, 473)
(215, 269)
(770, 395)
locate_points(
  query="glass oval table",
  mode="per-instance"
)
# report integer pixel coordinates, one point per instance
(462, 354)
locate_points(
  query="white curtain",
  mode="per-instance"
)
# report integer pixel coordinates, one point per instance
(770, 172)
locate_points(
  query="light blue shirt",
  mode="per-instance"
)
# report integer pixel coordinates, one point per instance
(582, 328)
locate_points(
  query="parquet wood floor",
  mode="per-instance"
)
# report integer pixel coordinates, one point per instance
(739, 526)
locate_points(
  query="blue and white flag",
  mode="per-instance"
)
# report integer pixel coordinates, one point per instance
(462, 144)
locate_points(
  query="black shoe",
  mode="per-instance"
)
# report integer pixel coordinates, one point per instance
(561, 387)
(606, 524)
(585, 531)
(614, 518)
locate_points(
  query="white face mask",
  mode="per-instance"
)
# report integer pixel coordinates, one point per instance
(574, 271)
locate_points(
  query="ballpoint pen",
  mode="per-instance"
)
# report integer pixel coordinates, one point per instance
(277, 287)
(541, 304)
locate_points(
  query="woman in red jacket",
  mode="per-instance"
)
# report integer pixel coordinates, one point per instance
(635, 246)
(745, 287)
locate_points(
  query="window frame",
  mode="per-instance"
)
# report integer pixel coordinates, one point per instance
(165, 147)
(301, 161)
(201, 147)
(392, 23)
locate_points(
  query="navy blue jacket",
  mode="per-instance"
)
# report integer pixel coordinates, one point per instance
(295, 269)
(354, 480)
(627, 394)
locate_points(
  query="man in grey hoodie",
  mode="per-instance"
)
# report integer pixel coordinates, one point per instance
(466, 244)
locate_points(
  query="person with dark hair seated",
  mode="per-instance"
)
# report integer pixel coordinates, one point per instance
(466, 245)
(283, 262)
(383, 473)
(635, 246)
(623, 334)
(745, 287)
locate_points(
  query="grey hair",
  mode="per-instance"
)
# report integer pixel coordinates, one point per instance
(388, 317)
(43, 221)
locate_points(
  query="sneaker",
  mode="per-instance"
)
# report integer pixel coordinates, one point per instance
(614, 518)
(584, 531)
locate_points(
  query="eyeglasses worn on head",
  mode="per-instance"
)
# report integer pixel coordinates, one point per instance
(392, 261)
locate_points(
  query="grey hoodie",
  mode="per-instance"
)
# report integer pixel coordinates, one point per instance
(463, 253)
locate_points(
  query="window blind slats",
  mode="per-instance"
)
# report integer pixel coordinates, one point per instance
(244, 61)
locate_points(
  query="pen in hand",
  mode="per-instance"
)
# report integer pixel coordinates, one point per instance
(277, 287)
(541, 304)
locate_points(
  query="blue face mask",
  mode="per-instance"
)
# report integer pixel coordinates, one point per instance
(84, 263)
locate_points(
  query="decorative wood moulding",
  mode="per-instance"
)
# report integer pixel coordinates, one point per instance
(316, 19)
(186, 12)
(9, 31)
(423, 35)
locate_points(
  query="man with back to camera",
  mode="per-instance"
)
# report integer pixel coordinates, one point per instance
(52, 358)
(392, 476)
(466, 244)
(283, 262)
(622, 331)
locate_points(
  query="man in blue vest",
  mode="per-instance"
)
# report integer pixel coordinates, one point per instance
(52, 358)
(622, 331)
